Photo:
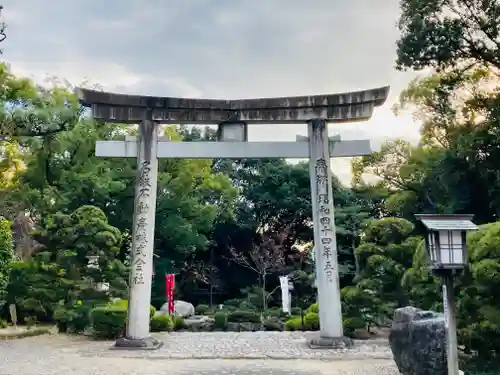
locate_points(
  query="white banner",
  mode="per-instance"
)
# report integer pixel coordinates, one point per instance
(285, 296)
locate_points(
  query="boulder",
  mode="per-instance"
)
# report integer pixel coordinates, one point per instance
(244, 327)
(199, 323)
(181, 308)
(418, 341)
(233, 327)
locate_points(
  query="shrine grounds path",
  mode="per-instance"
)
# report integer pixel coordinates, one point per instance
(211, 353)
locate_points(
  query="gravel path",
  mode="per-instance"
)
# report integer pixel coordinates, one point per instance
(216, 353)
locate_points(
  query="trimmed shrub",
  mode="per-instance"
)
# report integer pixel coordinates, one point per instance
(314, 308)
(178, 323)
(295, 311)
(289, 317)
(353, 324)
(245, 305)
(220, 320)
(273, 312)
(201, 309)
(311, 321)
(243, 316)
(3, 323)
(235, 302)
(108, 322)
(272, 324)
(161, 323)
(75, 317)
(293, 324)
(123, 303)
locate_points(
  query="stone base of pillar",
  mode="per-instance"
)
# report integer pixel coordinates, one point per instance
(331, 343)
(149, 343)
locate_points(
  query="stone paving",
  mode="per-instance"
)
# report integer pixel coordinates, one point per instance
(232, 353)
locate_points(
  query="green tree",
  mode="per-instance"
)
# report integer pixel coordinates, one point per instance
(6, 258)
(60, 173)
(454, 167)
(385, 253)
(424, 289)
(266, 256)
(58, 282)
(192, 199)
(478, 306)
(445, 33)
(30, 110)
(36, 286)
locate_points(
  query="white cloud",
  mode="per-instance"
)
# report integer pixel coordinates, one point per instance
(223, 48)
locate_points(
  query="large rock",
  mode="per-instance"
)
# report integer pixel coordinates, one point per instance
(418, 342)
(181, 308)
(199, 323)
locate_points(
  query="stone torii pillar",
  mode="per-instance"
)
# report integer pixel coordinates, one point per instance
(233, 116)
(141, 273)
(325, 242)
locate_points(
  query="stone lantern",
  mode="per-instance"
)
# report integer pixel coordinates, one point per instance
(446, 243)
(446, 247)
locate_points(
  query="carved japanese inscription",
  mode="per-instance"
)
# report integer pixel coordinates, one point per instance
(326, 245)
(141, 223)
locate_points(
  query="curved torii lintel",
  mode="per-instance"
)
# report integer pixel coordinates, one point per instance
(123, 108)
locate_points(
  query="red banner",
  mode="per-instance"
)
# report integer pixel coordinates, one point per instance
(169, 287)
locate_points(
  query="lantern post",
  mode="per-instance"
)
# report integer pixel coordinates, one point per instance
(446, 247)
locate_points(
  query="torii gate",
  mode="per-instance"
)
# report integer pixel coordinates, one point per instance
(233, 117)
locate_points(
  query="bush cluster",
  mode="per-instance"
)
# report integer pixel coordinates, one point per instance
(161, 323)
(243, 316)
(201, 309)
(109, 321)
(220, 320)
(310, 322)
(272, 324)
(179, 323)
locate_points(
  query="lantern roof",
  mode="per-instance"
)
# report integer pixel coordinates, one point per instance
(447, 222)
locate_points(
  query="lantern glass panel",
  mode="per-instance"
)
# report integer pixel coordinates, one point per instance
(432, 250)
(451, 247)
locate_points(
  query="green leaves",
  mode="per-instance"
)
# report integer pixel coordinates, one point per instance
(6, 257)
(29, 110)
(442, 33)
(384, 255)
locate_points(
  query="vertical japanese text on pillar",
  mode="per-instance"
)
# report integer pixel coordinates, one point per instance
(141, 224)
(325, 217)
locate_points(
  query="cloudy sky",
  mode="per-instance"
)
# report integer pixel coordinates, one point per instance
(218, 49)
